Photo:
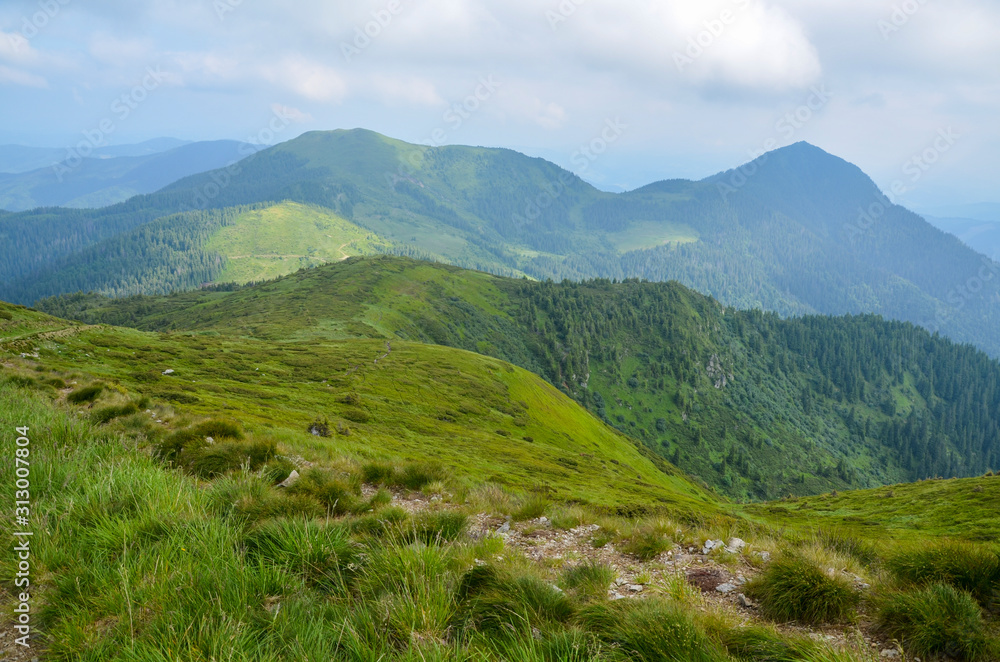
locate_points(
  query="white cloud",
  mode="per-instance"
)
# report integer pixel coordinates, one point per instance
(307, 78)
(18, 77)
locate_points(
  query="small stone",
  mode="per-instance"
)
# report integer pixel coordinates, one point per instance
(712, 544)
(635, 588)
(764, 556)
(168, 371)
(744, 601)
(291, 480)
(617, 596)
(736, 546)
(210, 440)
(543, 519)
(505, 528)
(889, 653)
(725, 588)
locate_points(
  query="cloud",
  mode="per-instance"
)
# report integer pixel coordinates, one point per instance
(23, 78)
(293, 114)
(309, 79)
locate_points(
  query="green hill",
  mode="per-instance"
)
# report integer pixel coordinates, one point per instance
(757, 406)
(797, 232)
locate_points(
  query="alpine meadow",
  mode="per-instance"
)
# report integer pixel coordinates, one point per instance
(612, 332)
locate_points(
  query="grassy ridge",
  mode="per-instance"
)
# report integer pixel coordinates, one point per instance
(756, 406)
(417, 402)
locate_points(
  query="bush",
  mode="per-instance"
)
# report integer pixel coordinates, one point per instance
(589, 581)
(650, 631)
(965, 566)
(795, 589)
(531, 508)
(107, 414)
(85, 394)
(937, 619)
(319, 428)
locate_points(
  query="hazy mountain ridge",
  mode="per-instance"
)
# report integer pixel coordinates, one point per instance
(797, 231)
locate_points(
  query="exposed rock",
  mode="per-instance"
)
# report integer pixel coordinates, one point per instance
(504, 528)
(710, 545)
(744, 601)
(168, 371)
(636, 588)
(736, 546)
(890, 654)
(291, 480)
(725, 588)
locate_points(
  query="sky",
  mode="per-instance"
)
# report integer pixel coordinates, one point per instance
(623, 92)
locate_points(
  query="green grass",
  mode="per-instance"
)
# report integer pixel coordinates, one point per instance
(264, 244)
(793, 588)
(964, 566)
(938, 619)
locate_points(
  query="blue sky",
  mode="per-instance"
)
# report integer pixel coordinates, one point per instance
(700, 86)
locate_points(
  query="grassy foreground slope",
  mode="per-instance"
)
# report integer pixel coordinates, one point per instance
(138, 558)
(757, 406)
(409, 401)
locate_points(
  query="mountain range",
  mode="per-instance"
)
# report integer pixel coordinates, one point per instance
(108, 175)
(797, 231)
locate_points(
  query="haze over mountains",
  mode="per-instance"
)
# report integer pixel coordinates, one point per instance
(31, 178)
(796, 231)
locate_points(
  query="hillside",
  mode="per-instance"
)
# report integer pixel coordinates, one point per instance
(805, 233)
(16, 159)
(757, 406)
(459, 508)
(110, 176)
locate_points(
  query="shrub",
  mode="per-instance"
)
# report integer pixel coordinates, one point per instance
(650, 631)
(589, 581)
(319, 428)
(965, 566)
(531, 508)
(795, 589)
(85, 394)
(107, 414)
(936, 619)
(356, 415)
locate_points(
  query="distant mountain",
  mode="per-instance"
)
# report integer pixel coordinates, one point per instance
(982, 236)
(980, 211)
(114, 174)
(20, 158)
(797, 231)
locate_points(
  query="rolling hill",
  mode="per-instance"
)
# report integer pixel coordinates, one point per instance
(756, 406)
(804, 232)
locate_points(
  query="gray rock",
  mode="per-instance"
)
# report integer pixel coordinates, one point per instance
(291, 480)
(710, 545)
(725, 588)
(505, 528)
(890, 653)
(764, 556)
(168, 371)
(736, 546)
(636, 588)
(744, 601)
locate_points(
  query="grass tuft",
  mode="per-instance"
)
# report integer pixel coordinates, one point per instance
(85, 394)
(965, 566)
(793, 588)
(938, 619)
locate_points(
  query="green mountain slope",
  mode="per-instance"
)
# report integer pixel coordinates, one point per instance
(490, 420)
(797, 231)
(757, 406)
